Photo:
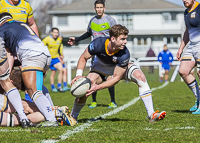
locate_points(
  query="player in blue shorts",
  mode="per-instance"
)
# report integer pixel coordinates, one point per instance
(191, 56)
(165, 58)
(111, 64)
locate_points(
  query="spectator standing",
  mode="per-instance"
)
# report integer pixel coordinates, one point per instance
(150, 53)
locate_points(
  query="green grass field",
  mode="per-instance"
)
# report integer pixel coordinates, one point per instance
(123, 124)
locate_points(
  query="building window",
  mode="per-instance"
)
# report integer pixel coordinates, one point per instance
(126, 20)
(170, 17)
(62, 20)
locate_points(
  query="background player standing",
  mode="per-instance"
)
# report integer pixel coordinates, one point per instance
(165, 57)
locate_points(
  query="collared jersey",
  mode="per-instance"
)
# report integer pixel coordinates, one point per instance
(20, 40)
(53, 45)
(98, 47)
(192, 22)
(100, 27)
(21, 12)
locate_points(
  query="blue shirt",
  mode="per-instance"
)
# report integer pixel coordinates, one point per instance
(165, 57)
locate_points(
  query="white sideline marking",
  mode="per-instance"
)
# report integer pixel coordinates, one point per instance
(167, 129)
(89, 123)
(20, 130)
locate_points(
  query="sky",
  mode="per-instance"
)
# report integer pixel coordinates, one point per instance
(179, 2)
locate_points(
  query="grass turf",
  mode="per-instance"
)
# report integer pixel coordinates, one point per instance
(128, 125)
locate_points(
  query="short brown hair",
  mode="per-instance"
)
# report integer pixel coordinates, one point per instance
(16, 77)
(117, 30)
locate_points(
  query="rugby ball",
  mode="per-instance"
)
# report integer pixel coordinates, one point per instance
(79, 88)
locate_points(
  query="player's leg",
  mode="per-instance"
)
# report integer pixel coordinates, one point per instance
(65, 87)
(94, 100)
(32, 76)
(161, 73)
(9, 120)
(59, 67)
(79, 103)
(52, 77)
(33, 81)
(11, 92)
(134, 74)
(166, 75)
(186, 66)
(112, 104)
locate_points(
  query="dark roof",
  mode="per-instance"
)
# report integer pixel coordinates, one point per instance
(118, 6)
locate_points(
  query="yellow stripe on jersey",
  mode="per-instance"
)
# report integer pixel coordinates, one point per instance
(52, 45)
(194, 7)
(21, 12)
(106, 48)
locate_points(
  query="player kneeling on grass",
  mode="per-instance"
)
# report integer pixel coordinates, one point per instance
(111, 64)
(7, 118)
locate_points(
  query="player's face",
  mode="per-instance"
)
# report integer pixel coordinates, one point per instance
(188, 3)
(121, 41)
(54, 34)
(99, 8)
(165, 48)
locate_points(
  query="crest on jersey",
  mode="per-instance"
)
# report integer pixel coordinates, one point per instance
(91, 46)
(114, 59)
(193, 15)
(22, 11)
(103, 26)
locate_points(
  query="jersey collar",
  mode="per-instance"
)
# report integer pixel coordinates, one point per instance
(196, 4)
(106, 48)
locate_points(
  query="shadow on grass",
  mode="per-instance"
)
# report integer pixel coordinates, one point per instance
(101, 105)
(181, 111)
(100, 118)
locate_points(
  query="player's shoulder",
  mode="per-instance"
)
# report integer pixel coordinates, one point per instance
(25, 3)
(100, 40)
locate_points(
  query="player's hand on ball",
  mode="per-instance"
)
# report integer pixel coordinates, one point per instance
(93, 89)
(75, 79)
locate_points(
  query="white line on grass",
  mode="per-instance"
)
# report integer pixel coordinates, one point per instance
(89, 123)
(167, 129)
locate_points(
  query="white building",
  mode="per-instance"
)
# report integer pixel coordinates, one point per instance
(151, 23)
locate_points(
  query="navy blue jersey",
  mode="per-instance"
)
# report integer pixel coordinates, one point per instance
(98, 47)
(192, 22)
(14, 32)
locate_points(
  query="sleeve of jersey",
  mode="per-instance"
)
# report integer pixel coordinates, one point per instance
(30, 11)
(91, 48)
(113, 22)
(44, 41)
(171, 59)
(124, 59)
(160, 57)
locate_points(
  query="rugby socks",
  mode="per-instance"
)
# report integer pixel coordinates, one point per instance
(195, 89)
(59, 85)
(46, 93)
(76, 109)
(52, 86)
(112, 93)
(148, 102)
(43, 105)
(64, 84)
(15, 99)
(94, 95)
